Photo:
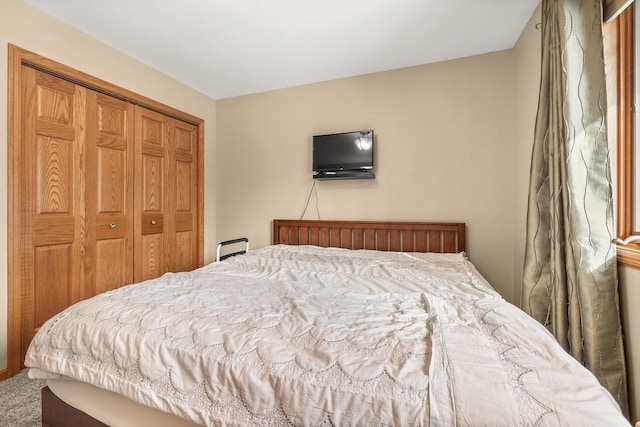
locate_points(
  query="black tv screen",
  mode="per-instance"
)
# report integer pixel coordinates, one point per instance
(349, 151)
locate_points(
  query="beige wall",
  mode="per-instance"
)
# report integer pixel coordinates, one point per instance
(527, 53)
(444, 151)
(28, 28)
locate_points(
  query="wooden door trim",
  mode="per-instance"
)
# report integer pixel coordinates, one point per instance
(18, 58)
(13, 212)
(200, 207)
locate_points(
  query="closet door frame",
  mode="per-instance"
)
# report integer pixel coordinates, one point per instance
(19, 58)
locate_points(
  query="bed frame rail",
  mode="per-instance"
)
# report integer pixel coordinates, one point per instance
(57, 413)
(442, 237)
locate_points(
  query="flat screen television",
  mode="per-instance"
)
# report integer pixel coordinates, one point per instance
(343, 155)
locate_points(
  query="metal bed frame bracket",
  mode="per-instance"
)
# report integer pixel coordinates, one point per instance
(231, 242)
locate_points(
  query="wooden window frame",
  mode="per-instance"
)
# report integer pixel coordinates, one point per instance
(621, 35)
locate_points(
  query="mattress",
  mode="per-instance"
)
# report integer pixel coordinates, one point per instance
(315, 336)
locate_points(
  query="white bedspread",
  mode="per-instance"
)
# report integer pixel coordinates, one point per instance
(309, 336)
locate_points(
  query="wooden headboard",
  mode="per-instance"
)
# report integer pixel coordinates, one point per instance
(443, 237)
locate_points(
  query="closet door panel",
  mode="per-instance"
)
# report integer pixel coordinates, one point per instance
(113, 122)
(152, 183)
(111, 184)
(54, 181)
(110, 196)
(184, 138)
(152, 245)
(183, 186)
(55, 100)
(112, 266)
(185, 196)
(52, 289)
(184, 251)
(151, 257)
(51, 184)
(47, 232)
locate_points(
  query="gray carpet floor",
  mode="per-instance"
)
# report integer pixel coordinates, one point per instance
(20, 401)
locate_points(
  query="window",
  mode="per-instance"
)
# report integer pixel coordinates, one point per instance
(620, 39)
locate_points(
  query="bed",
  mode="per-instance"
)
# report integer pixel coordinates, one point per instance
(336, 323)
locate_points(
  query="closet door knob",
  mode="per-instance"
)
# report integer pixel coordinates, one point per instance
(154, 222)
(112, 225)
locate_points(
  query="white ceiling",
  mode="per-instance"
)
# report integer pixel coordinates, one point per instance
(226, 48)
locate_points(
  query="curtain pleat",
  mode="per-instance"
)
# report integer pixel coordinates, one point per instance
(570, 277)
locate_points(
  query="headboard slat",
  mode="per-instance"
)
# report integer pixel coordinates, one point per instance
(434, 242)
(324, 237)
(449, 241)
(294, 235)
(394, 240)
(421, 240)
(347, 238)
(304, 236)
(382, 240)
(407, 241)
(370, 239)
(334, 237)
(358, 239)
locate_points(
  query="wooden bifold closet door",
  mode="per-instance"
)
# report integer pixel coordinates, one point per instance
(109, 194)
(166, 216)
(77, 204)
(103, 193)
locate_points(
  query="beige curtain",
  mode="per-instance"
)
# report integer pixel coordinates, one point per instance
(570, 279)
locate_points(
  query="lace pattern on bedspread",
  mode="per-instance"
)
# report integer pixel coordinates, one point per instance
(290, 336)
(531, 411)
